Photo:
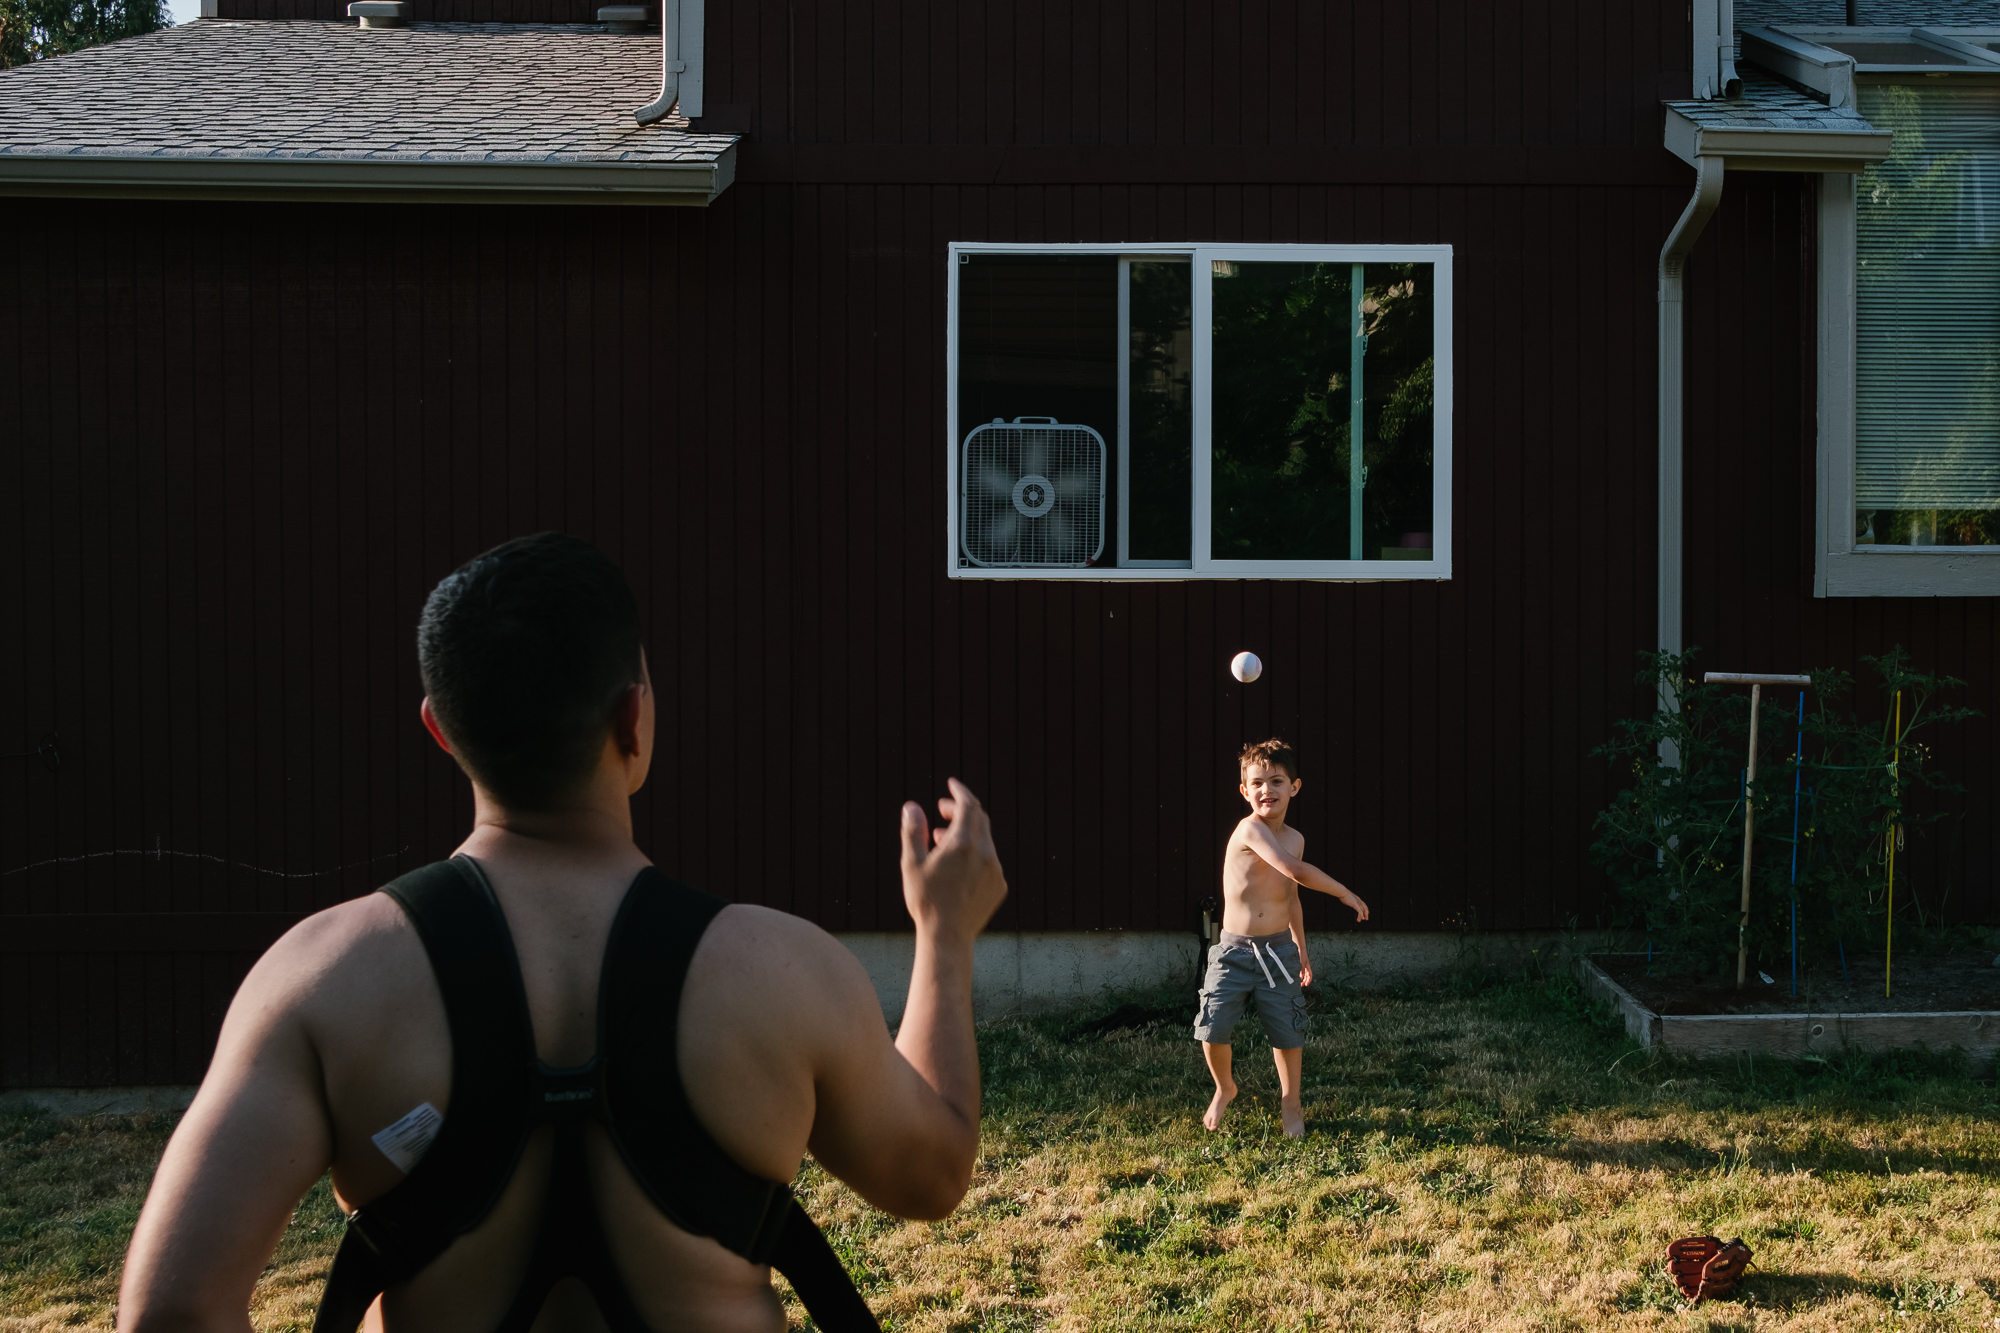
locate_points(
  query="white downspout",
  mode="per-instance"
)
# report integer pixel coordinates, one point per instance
(1673, 265)
(672, 65)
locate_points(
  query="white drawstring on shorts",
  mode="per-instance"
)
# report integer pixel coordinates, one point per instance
(1258, 954)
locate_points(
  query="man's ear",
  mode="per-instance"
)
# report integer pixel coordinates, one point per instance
(625, 719)
(431, 725)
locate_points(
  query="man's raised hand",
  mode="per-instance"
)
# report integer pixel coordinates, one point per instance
(957, 884)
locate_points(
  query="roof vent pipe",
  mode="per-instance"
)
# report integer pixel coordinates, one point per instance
(379, 13)
(672, 65)
(1713, 24)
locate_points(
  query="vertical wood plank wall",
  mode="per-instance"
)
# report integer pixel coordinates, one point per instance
(241, 442)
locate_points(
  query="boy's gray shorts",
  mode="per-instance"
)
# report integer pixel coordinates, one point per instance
(1242, 967)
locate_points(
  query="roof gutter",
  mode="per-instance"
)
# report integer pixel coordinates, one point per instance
(1673, 267)
(73, 175)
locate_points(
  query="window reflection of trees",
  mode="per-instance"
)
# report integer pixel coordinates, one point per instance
(1281, 409)
(1162, 483)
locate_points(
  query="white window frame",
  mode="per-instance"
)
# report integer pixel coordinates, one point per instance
(1205, 565)
(1840, 567)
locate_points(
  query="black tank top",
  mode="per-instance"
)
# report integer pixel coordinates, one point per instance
(500, 1093)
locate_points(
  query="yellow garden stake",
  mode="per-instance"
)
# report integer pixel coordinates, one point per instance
(1756, 683)
(1895, 810)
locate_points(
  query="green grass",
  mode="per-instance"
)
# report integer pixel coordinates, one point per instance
(1499, 1157)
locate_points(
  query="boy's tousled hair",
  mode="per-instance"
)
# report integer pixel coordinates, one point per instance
(525, 651)
(1273, 753)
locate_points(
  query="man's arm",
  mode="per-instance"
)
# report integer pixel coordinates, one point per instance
(901, 1124)
(1291, 867)
(251, 1145)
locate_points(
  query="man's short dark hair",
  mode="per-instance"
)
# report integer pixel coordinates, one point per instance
(525, 652)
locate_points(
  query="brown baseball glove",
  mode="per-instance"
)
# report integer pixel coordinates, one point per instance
(1703, 1266)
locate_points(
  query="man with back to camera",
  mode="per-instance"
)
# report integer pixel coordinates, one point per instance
(516, 1154)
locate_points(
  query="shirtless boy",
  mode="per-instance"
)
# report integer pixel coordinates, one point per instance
(1262, 952)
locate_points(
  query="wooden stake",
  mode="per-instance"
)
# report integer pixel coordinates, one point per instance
(1750, 777)
(1756, 682)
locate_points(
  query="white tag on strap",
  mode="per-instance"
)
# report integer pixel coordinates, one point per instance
(406, 1141)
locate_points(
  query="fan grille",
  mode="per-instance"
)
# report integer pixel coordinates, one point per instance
(1033, 495)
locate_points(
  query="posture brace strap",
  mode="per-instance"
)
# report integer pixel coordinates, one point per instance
(500, 1093)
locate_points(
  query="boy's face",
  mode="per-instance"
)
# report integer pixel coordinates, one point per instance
(1269, 790)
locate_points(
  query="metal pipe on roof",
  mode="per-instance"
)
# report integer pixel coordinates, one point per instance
(672, 65)
(1712, 26)
(1673, 267)
(1731, 82)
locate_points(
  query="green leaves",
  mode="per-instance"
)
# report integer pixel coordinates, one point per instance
(1672, 842)
(38, 29)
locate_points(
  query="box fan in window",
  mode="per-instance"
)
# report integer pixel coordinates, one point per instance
(1031, 494)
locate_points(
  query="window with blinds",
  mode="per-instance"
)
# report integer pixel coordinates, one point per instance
(1927, 386)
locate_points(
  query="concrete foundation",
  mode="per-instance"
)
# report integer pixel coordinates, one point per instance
(96, 1101)
(1033, 972)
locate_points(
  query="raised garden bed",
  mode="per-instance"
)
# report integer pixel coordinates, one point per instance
(1940, 1003)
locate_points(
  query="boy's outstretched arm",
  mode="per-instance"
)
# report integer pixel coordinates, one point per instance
(1298, 923)
(1311, 876)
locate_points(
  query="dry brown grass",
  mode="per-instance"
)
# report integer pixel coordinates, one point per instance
(1481, 1161)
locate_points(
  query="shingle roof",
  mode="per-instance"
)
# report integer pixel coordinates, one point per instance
(1874, 13)
(315, 94)
(1773, 122)
(1767, 104)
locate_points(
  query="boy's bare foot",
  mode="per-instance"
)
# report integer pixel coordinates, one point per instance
(1293, 1116)
(1217, 1106)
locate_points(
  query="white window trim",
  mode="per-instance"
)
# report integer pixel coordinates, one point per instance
(1205, 566)
(1840, 568)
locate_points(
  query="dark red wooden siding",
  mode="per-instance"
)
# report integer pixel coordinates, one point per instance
(239, 454)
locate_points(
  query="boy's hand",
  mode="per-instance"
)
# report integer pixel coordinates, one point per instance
(1349, 897)
(955, 886)
(1305, 973)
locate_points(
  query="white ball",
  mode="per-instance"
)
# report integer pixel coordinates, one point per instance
(1245, 667)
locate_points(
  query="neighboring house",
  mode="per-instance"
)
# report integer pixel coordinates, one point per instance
(296, 315)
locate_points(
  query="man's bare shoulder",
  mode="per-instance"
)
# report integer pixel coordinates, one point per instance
(364, 946)
(780, 950)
